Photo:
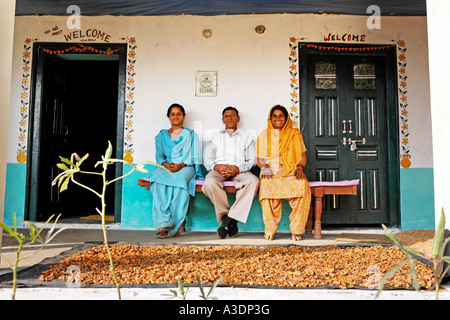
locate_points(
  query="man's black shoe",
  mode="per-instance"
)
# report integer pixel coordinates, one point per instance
(232, 227)
(222, 231)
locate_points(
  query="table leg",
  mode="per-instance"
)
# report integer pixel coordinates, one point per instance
(318, 216)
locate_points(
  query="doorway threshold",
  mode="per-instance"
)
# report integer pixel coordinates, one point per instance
(78, 225)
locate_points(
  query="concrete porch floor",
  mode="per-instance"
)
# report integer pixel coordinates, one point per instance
(92, 233)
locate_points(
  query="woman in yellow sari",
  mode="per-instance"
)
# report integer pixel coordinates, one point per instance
(281, 156)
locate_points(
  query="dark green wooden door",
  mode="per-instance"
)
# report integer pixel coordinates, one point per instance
(345, 124)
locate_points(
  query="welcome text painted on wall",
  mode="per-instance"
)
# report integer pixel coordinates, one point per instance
(87, 34)
(345, 37)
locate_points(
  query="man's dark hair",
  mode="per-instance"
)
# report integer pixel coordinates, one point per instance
(230, 108)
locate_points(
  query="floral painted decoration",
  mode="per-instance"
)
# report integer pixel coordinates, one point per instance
(294, 81)
(129, 98)
(403, 104)
(24, 100)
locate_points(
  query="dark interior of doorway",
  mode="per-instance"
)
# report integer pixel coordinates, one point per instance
(89, 121)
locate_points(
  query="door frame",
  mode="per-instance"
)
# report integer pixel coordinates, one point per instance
(392, 119)
(34, 131)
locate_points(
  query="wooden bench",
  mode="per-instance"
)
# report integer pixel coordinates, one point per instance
(318, 190)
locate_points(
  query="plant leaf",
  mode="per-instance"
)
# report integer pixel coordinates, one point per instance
(200, 286)
(67, 161)
(435, 249)
(214, 285)
(389, 274)
(109, 151)
(416, 284)
(62, 166)
(65, 184)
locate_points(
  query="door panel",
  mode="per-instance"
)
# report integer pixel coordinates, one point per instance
(345, 99)
(78, 105)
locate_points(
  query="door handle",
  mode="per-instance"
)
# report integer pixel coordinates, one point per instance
(345, 126)
(350, 126)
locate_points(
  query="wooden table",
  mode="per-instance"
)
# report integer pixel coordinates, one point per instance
(318, 190)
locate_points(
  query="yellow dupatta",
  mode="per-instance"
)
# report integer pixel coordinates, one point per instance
(287, 152)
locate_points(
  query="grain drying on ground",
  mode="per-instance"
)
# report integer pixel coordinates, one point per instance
(293, 266)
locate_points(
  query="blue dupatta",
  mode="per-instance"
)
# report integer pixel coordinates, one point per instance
(186, 149)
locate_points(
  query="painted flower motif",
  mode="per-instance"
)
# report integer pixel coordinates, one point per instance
(27, 40)
(293, 109)
(402, 71)
(403, 84)
(128, 137)
(401, 43)
(405, 141)
(293, 39)
(26, 69)
(24, 95)
(293, 53)
(404, 99)
(402, 57)
(25, 82)
(293, 67)
(129, 123)
(130, 95)
(405, 127)
(130, 68)
(132, 54)
(26, 55)
(23, 109)
(22, 123)
(404, 112)
(294, 95)
(293, 81)
(129, 109)
(130, 81)
(22, 137)
(132, 40)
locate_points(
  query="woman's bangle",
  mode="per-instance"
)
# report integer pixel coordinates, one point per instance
(300, 166)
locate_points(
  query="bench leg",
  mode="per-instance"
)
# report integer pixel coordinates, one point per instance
(318, 216)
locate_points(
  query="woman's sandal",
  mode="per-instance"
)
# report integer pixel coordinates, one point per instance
(296, 237)
(162, 232)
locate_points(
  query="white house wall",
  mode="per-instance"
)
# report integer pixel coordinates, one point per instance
(253, 74)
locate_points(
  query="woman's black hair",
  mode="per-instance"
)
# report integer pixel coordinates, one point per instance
(176, 105)
(281, 108)
(230, 108)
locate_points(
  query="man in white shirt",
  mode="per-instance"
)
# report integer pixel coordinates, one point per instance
(230, 156)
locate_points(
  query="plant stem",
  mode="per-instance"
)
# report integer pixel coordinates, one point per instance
(105, 233)
(16, 265)
(436, 278)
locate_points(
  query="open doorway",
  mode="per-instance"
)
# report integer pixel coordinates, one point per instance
(77, 105)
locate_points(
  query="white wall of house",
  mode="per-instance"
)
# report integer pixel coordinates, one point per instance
(253, 74)
(438, 27)
(6, 38)
(253, 69)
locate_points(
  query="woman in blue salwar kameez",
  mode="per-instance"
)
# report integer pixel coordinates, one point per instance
(178, 150)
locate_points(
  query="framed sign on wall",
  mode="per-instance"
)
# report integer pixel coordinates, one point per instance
(206, 84)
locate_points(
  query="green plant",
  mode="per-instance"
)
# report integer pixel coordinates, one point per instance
(183, 292)
(412, 256)
(25, 241)
(70, 168)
